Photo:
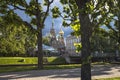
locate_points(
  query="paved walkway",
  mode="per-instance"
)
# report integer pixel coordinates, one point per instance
(98, 71)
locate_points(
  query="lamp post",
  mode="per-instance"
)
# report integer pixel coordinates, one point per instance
(117, 52)
(0, 33)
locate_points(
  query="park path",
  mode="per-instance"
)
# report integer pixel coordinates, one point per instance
(98, 71)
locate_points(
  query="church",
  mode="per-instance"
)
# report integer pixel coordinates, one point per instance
(57, 42)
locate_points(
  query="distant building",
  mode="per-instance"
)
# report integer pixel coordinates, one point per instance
(70, 41)
(57, 42)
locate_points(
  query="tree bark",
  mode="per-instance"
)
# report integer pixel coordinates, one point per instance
(39, 42)
(86, 53)
(86, 31)
(40, 52)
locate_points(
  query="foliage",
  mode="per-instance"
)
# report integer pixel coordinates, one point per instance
(114, 16)
(16, 38)
(12, 41)
(101, 41)
(76, 27)
(55, 12)
(46, 40)
(78, 47)
(15, 41)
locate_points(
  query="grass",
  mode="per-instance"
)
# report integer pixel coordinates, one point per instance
(30, 60)
(17, 60)
(116, 78)
(16, 68)
(56, 60)
(100, 63)
(33, 60)
(46, 67)
(68, 66)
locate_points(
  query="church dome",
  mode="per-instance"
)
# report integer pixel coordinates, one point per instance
(61, 31)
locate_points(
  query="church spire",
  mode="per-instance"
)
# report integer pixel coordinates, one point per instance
(52, 31)
(52, 23)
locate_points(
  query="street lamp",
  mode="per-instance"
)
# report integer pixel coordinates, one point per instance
(0, 33)
(117, 52)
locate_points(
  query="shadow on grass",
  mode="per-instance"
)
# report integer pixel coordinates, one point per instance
(56, 60)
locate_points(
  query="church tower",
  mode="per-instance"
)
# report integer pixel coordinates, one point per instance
(52, 32)
(53, 40)
(61, 41)
(57, 43)
(61, 36)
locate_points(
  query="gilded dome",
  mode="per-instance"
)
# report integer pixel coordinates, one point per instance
(61, 31)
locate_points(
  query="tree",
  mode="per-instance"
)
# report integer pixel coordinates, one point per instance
(84, 29)
(46, 40)
(112, 20)
(101, 41)
(14, 41)
(84, 16)
(114, 16)
(86, 32)
(34, 9)
(15, 34)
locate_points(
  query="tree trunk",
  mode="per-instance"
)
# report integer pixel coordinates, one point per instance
(39, 43)
(85, 40)
(39, 36)
(86, 31)
(40, 52)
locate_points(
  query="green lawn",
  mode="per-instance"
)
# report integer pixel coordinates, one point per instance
(33, 60)
(56, 60)
(67, 66)
(46, 67)
(30, 60)
(117, 78)
(18, 60)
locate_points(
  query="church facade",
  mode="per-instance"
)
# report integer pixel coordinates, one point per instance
(57, 42)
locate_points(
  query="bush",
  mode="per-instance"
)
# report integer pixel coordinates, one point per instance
(21, 60)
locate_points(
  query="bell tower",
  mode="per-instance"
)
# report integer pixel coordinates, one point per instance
(61, 36)
(52, 32)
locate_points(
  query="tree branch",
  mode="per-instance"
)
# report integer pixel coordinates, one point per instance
(64, 18)
(17, 7)
(28, 24)
(48, 7)
(110, 27)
